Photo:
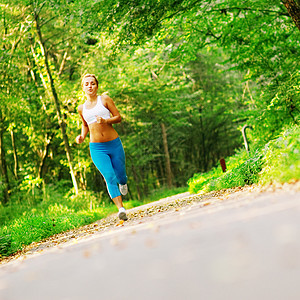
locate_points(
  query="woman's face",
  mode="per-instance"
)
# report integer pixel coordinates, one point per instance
(90, 86)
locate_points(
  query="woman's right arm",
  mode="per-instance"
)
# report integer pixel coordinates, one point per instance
(84, 127)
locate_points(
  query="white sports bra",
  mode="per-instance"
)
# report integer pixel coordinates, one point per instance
(90, 115)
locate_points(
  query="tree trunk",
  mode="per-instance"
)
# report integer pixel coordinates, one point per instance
(167, 156)
(160, 171)
(293, 8)
(44, 155)
(3, 165)
(204, 164)
(16, 161)
(61, 121)
(137, 181)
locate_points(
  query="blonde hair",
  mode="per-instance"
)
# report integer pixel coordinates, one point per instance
(89, 75)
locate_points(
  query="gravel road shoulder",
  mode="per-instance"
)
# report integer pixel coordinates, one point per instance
(150, 211)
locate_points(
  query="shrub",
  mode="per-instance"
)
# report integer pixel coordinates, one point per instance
(282, 158)
(278, 160)
(199, 181)
(245, 173)
(5, 245)
(215, 179)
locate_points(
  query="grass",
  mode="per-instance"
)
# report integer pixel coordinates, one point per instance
(281, 158)
(22, 223)
(164, 193)
(278, 161)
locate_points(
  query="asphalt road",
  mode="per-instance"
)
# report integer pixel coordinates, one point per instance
(240, 246)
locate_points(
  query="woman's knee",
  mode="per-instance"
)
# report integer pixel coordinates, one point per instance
(110, 178)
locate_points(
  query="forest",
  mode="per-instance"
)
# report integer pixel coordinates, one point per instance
(186, 77)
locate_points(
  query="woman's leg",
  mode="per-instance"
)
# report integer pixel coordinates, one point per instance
(102, 158)
(103, 163)
(118, 163)
(118, 201)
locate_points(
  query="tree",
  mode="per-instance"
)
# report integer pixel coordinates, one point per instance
(293, 7)
(41, 55)
(61, 122)
(5, 186)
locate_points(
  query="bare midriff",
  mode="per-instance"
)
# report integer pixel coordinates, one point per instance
(100, 133)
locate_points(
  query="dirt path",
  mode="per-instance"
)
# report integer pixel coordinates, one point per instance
(235, 244)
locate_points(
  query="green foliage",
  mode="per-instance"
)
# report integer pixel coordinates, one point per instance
(244, 173)
(277, 161)
(23, 224)
(211, 180)
(282, 158)
(199, 181)
(164, 193)
(5, 245)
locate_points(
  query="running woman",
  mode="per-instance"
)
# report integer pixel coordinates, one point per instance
(98, 113)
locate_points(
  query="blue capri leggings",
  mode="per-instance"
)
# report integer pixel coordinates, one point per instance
(109, 158)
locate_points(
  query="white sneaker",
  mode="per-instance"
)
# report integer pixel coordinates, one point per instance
(122, 214)
(123, 189)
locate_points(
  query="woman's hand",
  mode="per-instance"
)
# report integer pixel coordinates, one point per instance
(101, 120)
(79, 139)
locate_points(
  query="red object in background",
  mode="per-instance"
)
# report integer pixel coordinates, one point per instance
(223, 164)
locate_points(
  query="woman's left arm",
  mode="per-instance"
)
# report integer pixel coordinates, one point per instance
(110, 105)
